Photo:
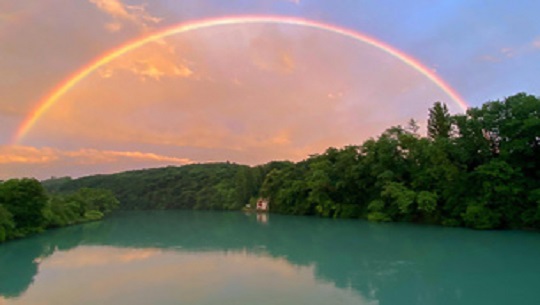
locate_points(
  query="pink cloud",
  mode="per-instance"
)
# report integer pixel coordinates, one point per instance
(508, 52)
(536, 43)
(489, 58)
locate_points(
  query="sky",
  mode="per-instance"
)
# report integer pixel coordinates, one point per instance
(102, 86)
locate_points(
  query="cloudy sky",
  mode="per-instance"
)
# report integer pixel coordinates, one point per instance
(270, 80)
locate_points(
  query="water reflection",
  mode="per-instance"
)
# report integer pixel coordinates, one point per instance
(354, 260)
(262, 218)
(109, 275)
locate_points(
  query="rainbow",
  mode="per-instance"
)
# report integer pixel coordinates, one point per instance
(71, 81)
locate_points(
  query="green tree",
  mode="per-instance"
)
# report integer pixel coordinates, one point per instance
(321, 187)
(427, 202)
(62, 211)
(24, 199)
(500, 190)
(377, 211)
(399, 196)
(101, 200)
(245, 186)
(531, 213)
(439, 121)
(479, 216)
(6, 224)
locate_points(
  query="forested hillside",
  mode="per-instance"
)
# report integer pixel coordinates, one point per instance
(212, 186)
(480, 169)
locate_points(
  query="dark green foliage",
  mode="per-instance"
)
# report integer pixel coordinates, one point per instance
(93, 215)
(54, 183)
(480, 169)
(6, 224)
(84, 205)
(439, 122)
(216, 186)
(427, 202)
(25, 208)
(92, 199)
(479, 216)
(25, 200)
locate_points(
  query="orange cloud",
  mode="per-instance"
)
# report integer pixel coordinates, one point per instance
(18, 161)
(159, 68)
(136, 14)
(112, 7)
(26, 155)
(113, 26)
(155, 61)
(33, 155)
(93, 156)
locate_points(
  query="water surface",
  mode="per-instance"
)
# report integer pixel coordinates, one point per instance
(185, 257)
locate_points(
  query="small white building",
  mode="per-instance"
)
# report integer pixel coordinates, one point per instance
(263, 205)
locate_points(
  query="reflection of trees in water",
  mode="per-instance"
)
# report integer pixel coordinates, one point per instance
(17, 267)
(394, 263)
(19, 259)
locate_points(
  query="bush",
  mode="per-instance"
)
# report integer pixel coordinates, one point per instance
(93, 215)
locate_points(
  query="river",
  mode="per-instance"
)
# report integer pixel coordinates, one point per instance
(187, 257)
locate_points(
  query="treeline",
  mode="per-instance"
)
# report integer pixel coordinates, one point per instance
(479, 169)
(26, 208)
(212, 186)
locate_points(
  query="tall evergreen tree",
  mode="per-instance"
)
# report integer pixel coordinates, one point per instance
(439, 121)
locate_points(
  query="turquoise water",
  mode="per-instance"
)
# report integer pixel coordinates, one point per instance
(182, 257)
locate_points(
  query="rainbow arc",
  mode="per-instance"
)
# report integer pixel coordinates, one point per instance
(46, 103)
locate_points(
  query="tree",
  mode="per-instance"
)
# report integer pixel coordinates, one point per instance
(427, 202)
(321, 186)
(244, 186)
(439, 121)
(478, 216)
(86, 204)
(500, 189)
(399, 197)
(512, 127)
(6, 224)
(101, 200)
(60, 211)
(412, 126)
(24, 199)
